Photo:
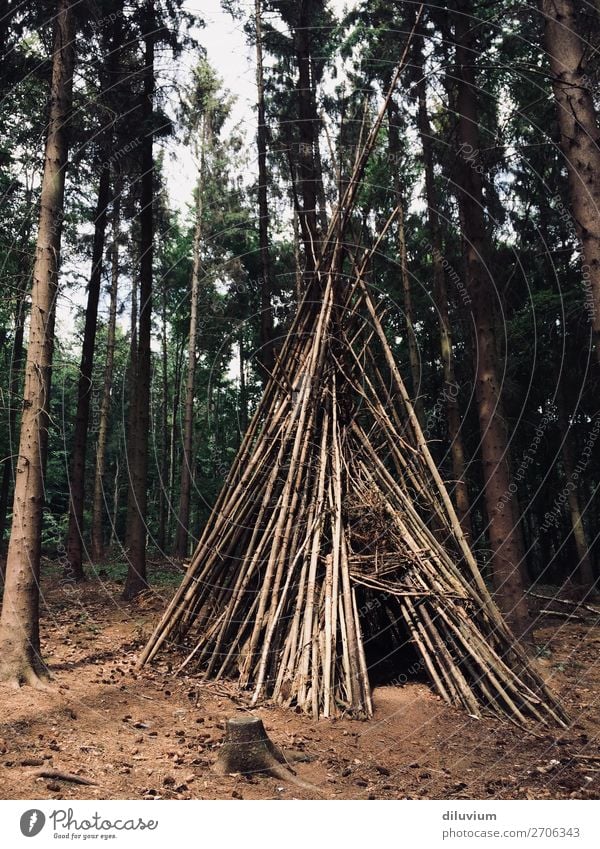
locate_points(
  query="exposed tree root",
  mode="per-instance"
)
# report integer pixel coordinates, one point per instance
(18, 672)
(58, 775)
(38, 680)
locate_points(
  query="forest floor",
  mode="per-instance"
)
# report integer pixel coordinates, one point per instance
(149, 734)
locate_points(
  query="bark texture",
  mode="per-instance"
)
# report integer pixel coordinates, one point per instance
(579, 141)
(136, 579)
(440, 296)
(413, 347)
(161, 539)
(97, 543)
(507, 559)
(16, 365)
(584, 573)
(247, 748)
(182, 533)
(74, 545)
(20, 656)
(74, 564)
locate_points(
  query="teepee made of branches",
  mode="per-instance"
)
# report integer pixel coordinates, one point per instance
(334, 544)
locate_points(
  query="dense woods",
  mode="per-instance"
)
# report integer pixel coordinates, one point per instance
(299, 421)
(139, 327)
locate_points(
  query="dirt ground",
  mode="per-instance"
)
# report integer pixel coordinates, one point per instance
(152, 735)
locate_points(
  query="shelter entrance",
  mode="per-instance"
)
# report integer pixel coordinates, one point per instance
(390, 653)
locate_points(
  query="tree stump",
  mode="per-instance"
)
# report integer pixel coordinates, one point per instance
(248, 749)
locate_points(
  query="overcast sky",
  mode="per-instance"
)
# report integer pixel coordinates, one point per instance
(234, 61)
(232, 58)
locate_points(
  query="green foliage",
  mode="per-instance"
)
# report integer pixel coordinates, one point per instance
(540, 308)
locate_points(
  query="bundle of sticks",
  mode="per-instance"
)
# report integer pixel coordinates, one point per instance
(334, 529)
(334, 497)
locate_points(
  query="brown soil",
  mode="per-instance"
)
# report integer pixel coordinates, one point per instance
(152, 735)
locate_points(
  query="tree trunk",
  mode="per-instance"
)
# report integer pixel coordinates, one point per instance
(394, 150)
(174, 441)
(16, 368)
(318, 160)
(440, 297)
(20, 656)
(131, 379)
(73, 570)
(504, 533)
(115, 510)
(247, 749)
(266, 309)
(307, 121)
(97, 544)
(74, 545)
(413, 348)
(243, 401)
(161, 539)
(297, 259)
(585, 572)
(15, 376)
(136, 579)
(579, 141)
(182, 532)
